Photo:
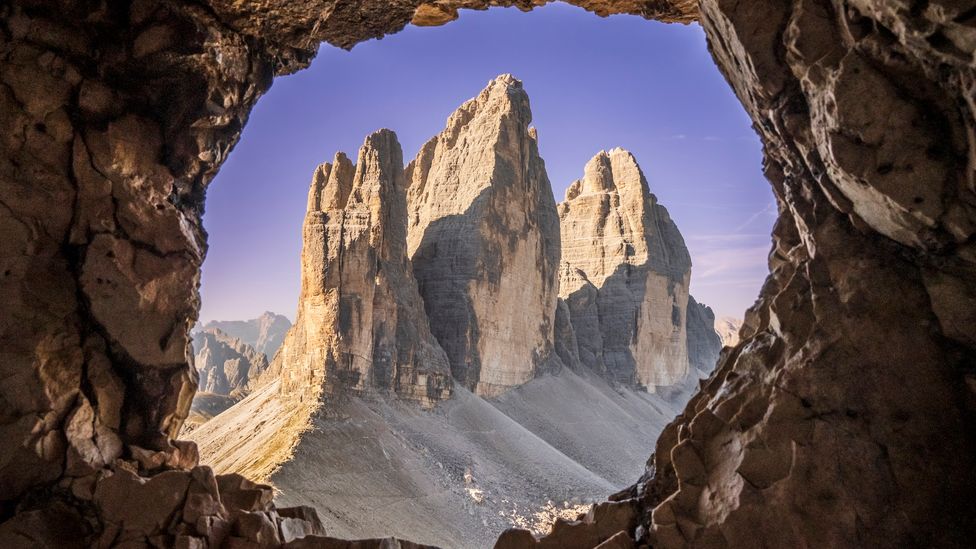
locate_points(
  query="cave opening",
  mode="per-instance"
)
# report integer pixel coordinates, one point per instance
(594, 85)
(842, 418)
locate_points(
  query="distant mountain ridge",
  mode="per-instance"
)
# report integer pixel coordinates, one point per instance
(229, 356)
(227, 368)
(264, 333)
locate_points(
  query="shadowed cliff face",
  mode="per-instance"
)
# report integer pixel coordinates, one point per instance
(844, 416)
(625, 275)
(704, 342)
(484, 241)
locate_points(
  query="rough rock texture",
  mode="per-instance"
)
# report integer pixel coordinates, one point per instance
(484, 241)
(291, 31)
(600, 527)
(225, 364)
(174, 508)
(704, 343)
(844, 417)
(728, 329)
(361, 322)
(111, 126)
(625, 275)
(360, 326)
(265, 333)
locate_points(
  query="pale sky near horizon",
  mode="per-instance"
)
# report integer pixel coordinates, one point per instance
(593, 84)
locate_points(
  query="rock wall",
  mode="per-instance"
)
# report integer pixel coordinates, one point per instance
(483, 238)
(625, 275)
(111, 129)
(852, 388)
(361, 323)
(842, 397)
(360, 326)
(844, 417)
(265, 333)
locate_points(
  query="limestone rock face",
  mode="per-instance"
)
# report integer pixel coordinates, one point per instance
(361, 323)
(225, 364)
(484, 241)
(728, 329)
(704, 342)
(625, 275)
(264, 333)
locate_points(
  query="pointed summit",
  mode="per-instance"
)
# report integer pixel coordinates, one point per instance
(484, 240)
(626, 276)
(361, 324)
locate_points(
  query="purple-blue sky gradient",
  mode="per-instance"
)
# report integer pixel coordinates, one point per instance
(593, 83)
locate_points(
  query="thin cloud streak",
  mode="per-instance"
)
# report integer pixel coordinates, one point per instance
(752, 218)
(717, 262)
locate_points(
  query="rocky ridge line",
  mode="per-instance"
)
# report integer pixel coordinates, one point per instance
(265, 333)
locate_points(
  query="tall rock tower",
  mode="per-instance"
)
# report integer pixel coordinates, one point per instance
(484, 240)
(360, 322)
(625, 275)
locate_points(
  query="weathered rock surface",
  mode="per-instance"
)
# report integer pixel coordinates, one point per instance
(361, 323)
(360, 327)
(851, 390)
(601, 527)
(484, 241)
(728, 329)
(226, 364)
(704, 342)
(625, 275)
(849, 400)
(265, 333)
(174, 508)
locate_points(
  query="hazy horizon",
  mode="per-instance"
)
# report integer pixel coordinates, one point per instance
(594, 84)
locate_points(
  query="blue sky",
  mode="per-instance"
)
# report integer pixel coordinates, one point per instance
(594, 83)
